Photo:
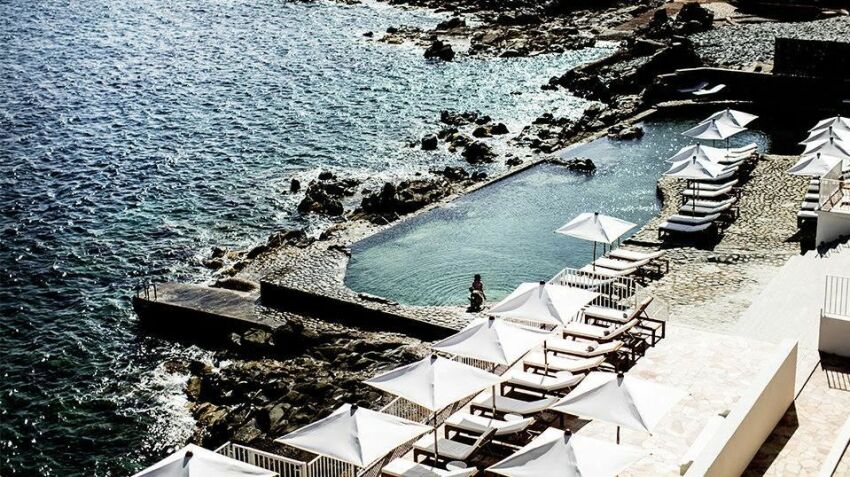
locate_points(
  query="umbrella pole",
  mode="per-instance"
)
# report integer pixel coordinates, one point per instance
(436, 452)
(494, 401)
(545, 359)
(618, 434)
(594, 257)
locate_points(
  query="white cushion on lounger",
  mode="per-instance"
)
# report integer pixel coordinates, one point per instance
(615, 264)
(748, 149)
(634, 255)
(807, 214)
(482, 424)
(605, 313)
(719, 186)
(712, 90)
(448, 448)
(709, 203)
(809, 206)
(514, 406)
(563, 363)
(599, 270)
(704, 193)
(588, 349)
(408, 468)
(677, 227)
(689, 209)
(693, 220)
(541, 382)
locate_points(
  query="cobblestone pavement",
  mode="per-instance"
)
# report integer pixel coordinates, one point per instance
(711, 283)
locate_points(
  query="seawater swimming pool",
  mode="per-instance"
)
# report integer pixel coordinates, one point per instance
(505, 231)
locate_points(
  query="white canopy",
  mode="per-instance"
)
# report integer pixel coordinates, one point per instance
(194, 461)
(435, 382)
(825, 134)
(621, 400)
(814, 165)
(543, 303)
(556, 453)
(355, 435)
(837, 123)
(695, 169)
(714, 129)
(493, 341)
(738, 118)
(596, 227)
(830, 147)
(713, 154)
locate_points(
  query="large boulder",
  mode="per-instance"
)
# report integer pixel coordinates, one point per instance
(429, 142)
(478, 152)
(323, 196)
(457, 118)
(406, 197)
(440, 50)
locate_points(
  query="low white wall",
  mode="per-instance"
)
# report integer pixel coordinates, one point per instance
(831, 226)
(752, 419)
(835, 335)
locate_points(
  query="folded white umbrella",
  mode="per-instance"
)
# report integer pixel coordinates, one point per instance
(557, 453)
(738, 118)
(814, 165)
(543, 303)
(708, 153)
(714, 130)
(435, 383)
(355, 435)
(194, 461)
(492, 340)
(837, 123)
(825, 134)
(831, 146)
(622, 400)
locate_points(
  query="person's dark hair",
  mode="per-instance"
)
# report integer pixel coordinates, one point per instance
(477, 277)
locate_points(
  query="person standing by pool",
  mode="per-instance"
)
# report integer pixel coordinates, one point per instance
(476, 294)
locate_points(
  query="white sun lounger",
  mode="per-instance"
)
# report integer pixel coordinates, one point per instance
(709, 203)
(544, 384)
(561, 363)
(597, 333)
(806, 215)
(809, 206)
(507, 405)
(707, 186)
(585, 281)
(713, 90)
(813, 188)
(472, 424)
(696, 87)
(684, 228)
(616, 264)
(449, 449)
(408, 468)
(582, 349)
(599, 270)
(690, 209)
(634, 255)
(702, 194)
(693, 219)
(811, 197)
(742, 151)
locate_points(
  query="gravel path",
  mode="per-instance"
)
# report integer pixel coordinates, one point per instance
(742, 45)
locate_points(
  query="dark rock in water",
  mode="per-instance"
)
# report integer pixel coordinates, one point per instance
(446, 132)
(368, 34)
(578, 164)
(693, 18)
(218, 252)
(198, 368)
(429, 142)
(481, 131)
(193, 388)
(455, 118)
(484, 119)
(455, 174)
(213, 263)
(453, 22)
(440, 50)
(478, 152)
(392, 30)
(625, 132)
(294, 186)
(326, 176)
(296, 237)
(498, 129)
(317, 201)
(478, 176)
(513, 161)
(406, 197)
(236, 284)
(458, 140)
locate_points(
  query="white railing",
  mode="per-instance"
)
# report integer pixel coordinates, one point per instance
(836, 297)
(612, 291)
(327, 467)
(284, 466)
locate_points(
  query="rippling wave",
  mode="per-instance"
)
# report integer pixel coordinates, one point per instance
(136, 134)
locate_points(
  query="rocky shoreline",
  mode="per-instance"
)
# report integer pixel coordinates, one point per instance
(253, 392)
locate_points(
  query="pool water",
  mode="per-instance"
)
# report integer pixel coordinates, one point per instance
(505, 231)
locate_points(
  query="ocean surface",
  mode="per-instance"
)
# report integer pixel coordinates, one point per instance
(505, 232)
(137, 134)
